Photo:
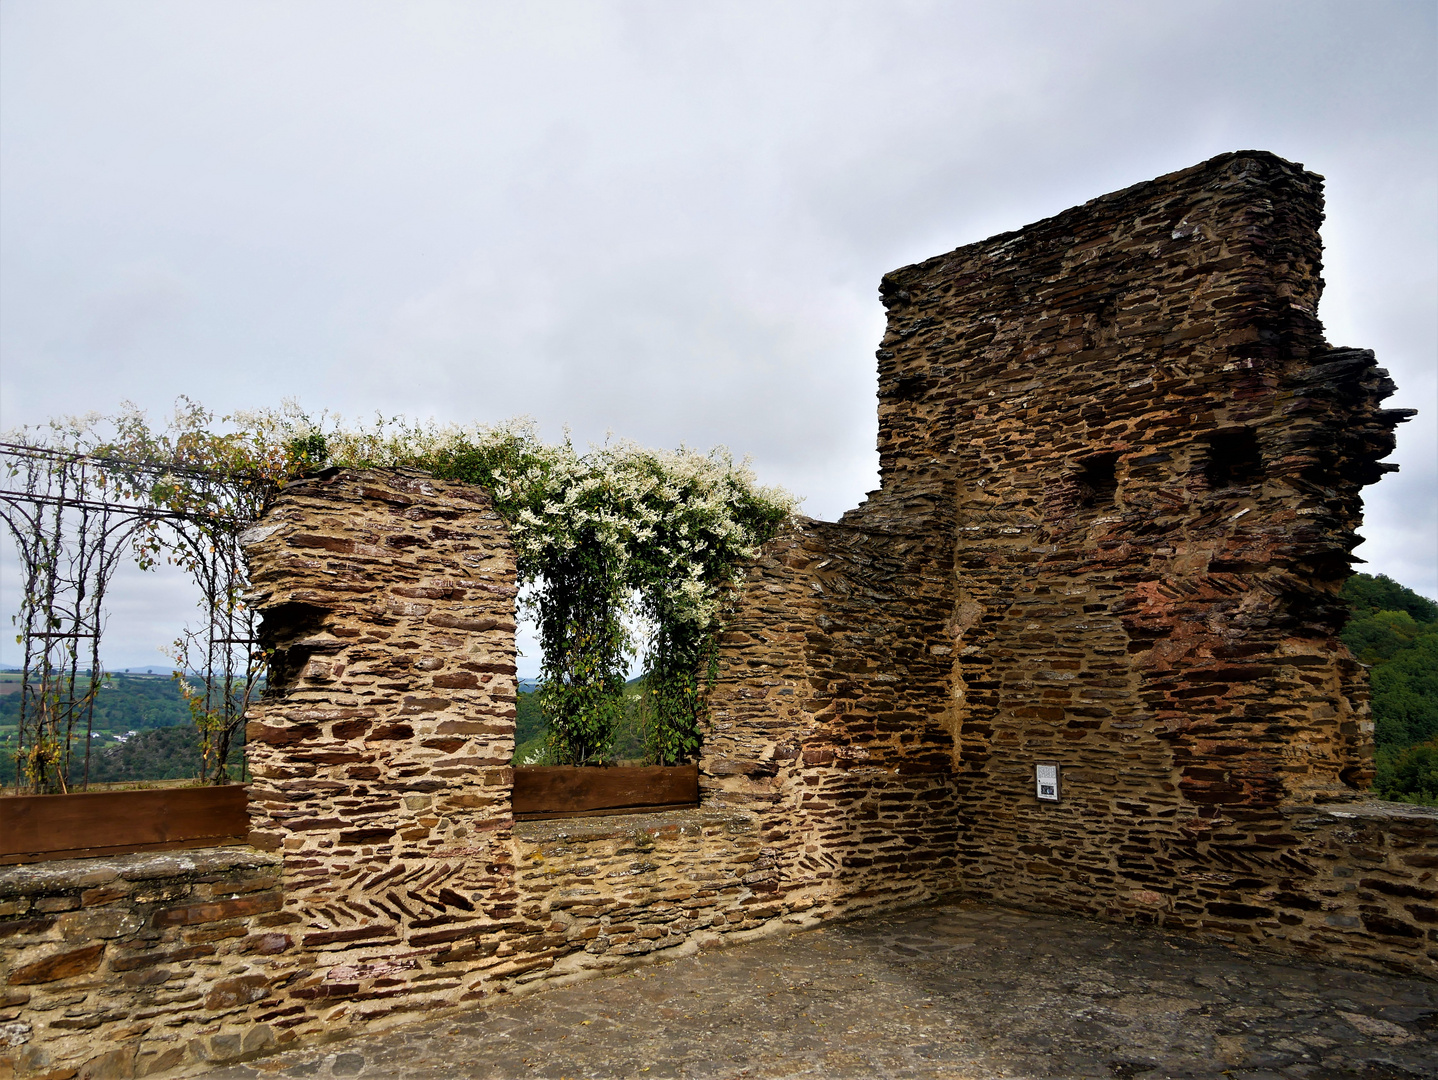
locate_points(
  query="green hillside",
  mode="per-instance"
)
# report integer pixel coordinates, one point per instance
(142, 731)
(1395, 631)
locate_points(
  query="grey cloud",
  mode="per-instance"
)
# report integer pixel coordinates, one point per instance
(668, 221)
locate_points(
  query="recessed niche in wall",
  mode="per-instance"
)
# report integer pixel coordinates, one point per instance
(1234, 459)
(1098, 481)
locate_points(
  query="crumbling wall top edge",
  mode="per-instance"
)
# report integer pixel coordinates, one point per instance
(1171, 180)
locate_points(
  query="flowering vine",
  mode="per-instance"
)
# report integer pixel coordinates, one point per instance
(619, 530)
(601, 538)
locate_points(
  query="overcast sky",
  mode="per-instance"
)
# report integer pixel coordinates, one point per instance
(666, 220)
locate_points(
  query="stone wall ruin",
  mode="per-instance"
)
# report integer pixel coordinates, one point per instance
(1120, 476)
(1120, 479)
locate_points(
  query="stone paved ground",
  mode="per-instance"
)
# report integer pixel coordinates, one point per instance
(952, 991)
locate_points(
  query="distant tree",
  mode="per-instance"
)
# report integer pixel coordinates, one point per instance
(1409, 775)
(1367, 594)
(1405, 695)
(1379, 637)
(1394, 631)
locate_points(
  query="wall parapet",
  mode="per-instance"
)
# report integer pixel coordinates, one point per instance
(132, 965)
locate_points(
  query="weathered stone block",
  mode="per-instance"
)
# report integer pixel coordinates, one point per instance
(229, 993)
(58, 966)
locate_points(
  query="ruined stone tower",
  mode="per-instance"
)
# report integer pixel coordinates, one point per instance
(1120, 480)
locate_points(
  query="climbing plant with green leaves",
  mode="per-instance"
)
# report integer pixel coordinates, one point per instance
(604, 537)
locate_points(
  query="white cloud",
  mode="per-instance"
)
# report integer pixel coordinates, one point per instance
(668, 221)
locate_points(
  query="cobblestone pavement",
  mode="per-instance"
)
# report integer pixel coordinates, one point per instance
(951, 990)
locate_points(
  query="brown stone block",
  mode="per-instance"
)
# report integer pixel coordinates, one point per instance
(48, 904)
(59, 966)
(231, 993)
(358, 933)
(116, 1064)
(328, 824)
(104, 894)
(447, 591)
(366, 836)
(138, 961)
(439, 937)
(330, 757)
(1388, 926)
(336, 544)
(1397, 888)
(456, 622)
(137, 980)
(265, 841)
(149, 1064)
(20, 927)
(271, 735)
(349, 729)
(447, 746)
(326, 991)
(472, 727)
(214, 912)
(267, 944)
(1238, 911)
(214, 933)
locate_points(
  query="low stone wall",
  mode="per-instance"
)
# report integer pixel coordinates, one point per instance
(144, 964)
(1357, 881)
(135, 964)
(599, 892)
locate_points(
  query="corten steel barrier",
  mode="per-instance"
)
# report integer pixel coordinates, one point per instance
(557, 791)
(37, 828)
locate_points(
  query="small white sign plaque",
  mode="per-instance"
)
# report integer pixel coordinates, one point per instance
(1046, 781)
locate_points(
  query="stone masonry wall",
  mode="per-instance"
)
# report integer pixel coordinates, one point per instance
(133, 965)
(387, 875)
(1120, 477)
(830, 719)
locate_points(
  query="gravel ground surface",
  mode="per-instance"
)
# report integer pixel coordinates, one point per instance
(950, 990)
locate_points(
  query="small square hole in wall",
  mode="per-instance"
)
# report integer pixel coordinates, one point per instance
(1098, 481)
(1234, 459)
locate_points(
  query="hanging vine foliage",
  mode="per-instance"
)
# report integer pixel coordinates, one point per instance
(209, 487)
(619, 531)
(604, 539)
(81, 495)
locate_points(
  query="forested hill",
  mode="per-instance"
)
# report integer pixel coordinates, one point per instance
(1395, 632)
(142, 727)
(126, 703)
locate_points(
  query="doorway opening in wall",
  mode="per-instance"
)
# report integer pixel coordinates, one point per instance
(1234, 459)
